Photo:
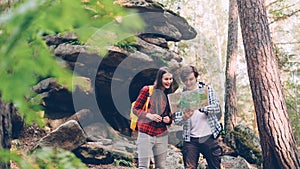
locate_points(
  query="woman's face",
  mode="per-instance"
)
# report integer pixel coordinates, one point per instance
(190, 82)
(167, 80)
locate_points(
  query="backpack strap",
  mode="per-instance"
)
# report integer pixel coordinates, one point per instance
(146, 105)
(151, 90)
(133, 117)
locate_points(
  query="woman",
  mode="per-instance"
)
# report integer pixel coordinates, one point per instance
(201, 127)
(152, 125)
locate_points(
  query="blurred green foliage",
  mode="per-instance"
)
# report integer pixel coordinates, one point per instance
(44, 158)
(6, 156)
(24, 56)
(56, 158)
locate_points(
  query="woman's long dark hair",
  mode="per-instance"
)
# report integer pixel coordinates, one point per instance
(158, 94)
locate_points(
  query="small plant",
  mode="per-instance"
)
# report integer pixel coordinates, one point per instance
(127, 44)
(123, 162)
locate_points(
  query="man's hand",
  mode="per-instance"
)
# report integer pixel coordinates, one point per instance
(188, 114)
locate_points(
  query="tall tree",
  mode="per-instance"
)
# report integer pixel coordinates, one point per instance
(276, 136)
(231, 69)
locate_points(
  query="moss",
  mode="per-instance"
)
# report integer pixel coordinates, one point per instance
(127, 44)
(246, 149)
(245, 146)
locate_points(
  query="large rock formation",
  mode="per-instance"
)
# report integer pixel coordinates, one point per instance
(115, 78)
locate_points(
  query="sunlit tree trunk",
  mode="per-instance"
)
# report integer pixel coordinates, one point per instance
(277, 140)
(231, 68)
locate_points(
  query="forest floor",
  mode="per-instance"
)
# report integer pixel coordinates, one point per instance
(109, 166)
(31, 135)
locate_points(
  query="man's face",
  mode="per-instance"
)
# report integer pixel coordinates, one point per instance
(167, 80)
(190, 82)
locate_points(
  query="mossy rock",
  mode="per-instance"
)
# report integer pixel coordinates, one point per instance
(246, 144)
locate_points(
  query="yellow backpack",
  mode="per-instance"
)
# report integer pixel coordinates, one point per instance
(133, 117)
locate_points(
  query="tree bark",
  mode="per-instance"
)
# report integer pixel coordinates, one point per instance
(277, 140)
(231, 67)
(5, 129)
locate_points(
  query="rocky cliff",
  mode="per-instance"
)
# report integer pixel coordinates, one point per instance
(113, 80)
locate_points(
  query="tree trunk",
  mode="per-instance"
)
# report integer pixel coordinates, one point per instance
(230, 85)
(277, 140)
(5, 128)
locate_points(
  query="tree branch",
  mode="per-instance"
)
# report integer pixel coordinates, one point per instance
(287, 43)
(283, 17)
(271, 3)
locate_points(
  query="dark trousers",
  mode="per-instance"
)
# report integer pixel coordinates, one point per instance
(210, 149)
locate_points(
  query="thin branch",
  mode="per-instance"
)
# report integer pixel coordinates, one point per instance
(283, 8)
(271, 3)
(292, 107)
(284, 16)
(287, 43)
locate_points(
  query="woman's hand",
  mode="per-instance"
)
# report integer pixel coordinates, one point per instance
(154, 117)
(166, 119)
(188, 114)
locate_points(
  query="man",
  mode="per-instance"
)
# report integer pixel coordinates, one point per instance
(200, 127)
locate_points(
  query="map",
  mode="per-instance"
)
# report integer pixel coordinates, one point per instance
(193, 100)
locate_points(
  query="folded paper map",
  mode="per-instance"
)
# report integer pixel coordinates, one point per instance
(193, 100)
